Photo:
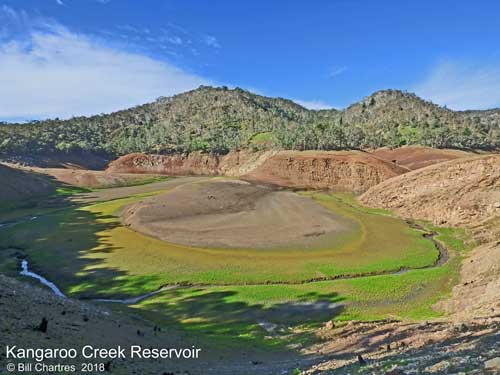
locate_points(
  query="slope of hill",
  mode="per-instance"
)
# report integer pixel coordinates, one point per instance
(18, 185)
(220, 119)
(352, 171)
(465, 193)
(462, 192)
(416, 157)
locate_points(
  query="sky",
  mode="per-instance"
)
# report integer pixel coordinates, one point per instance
(62, 58)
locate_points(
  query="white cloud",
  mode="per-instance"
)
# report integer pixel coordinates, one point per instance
(55, 72)
(338, 71)
(461, 86)
(211, 41)
(313, 104)
(60, 2)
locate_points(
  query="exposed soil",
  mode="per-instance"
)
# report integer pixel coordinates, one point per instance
(21, 185)
(415, 157)
(71, 160)
(439, 347)
(477, 294)
(352, 171)
(94, 179)
(74, 324)
(463, 192)
(236, 214)
(236, 163)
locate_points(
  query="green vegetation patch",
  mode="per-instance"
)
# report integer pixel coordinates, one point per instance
(89, 252)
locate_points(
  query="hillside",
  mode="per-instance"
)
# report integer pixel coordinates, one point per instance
(459, 193)
(463, 192)
(352, 171)
(416, 157)
(20, 185)
(219, 120)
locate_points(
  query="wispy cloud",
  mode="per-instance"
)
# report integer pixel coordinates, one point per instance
(53, 71)
(462, 86)
(313, 104)
(211, 41)
(60, 2)
(337, 71)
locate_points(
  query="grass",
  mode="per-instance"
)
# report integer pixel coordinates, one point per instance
(226, 311)
(137, 182)
(109, 258)
(71, 190)
(261, 138)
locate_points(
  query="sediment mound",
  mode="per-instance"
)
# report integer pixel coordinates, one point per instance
(352, 171)
(19, 184)
(415, 157)
(236, 214)
(463, 192)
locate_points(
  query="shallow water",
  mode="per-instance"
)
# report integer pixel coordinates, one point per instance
(26, 272)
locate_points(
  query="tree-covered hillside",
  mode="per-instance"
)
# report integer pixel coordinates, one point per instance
(221, 119)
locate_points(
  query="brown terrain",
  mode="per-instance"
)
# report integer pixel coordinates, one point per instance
(458, 189)
(465, 193)
(18, 184)
(235, 214)
(74, 324)
(354, 171)
(94, 179)
(416, 157)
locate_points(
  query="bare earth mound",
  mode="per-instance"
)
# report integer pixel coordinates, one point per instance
(352, 171)
(236, 214)
(415, 157)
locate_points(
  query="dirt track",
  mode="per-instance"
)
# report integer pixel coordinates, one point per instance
(236, 214)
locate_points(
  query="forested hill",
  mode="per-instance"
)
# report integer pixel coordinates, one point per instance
(222, 119)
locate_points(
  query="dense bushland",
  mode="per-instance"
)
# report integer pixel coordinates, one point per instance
(221, 119)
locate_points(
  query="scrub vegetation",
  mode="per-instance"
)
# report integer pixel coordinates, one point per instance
(219, 120)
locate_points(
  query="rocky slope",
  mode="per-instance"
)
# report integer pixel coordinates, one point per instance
(352, 171)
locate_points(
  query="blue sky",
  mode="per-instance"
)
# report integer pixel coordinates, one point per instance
(72, 57)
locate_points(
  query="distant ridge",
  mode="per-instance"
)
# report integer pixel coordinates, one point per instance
(219, 119)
